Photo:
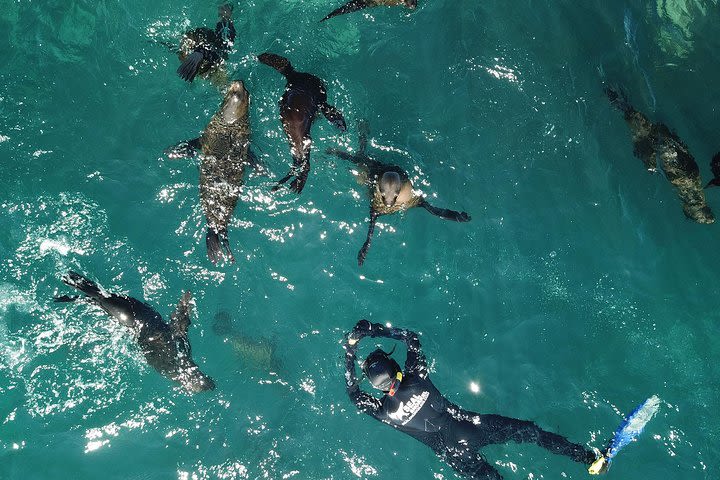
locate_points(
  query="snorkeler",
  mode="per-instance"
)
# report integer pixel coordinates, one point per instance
(202, 51)
(414, 406)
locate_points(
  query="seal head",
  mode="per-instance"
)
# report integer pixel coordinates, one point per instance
(185, 371)
(389, 187)
(235, 105)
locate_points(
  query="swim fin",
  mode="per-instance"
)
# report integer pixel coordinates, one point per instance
(628, 431)
(189, 68)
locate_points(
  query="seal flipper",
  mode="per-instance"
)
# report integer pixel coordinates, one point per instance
(351, 6)
(344, 155)
(184, 149)
(715, 165)
(363, 132)
(298, 184)
(300, 171)
(65, 298)
(258, 164)
(189, 68)
(85, 285)
(180, 318)
(715, 182)
(281, 181)
(218, 246)
(281, 64)
(715, 168)
(170, 46)
(371, 228)
(445, 213)
(333, 116)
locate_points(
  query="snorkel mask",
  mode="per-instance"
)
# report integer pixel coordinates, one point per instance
(382, 371)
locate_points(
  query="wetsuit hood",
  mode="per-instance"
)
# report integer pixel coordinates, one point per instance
(381, 370)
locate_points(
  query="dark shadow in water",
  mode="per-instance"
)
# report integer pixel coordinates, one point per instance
(258, 354)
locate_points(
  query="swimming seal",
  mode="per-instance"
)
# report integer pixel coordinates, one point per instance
(203, 51)
(165, 345)
(224, 148)
(305, 95)
(653, 141)
(355, 5)
(389, 188)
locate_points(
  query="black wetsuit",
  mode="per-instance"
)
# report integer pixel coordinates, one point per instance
(455, 435)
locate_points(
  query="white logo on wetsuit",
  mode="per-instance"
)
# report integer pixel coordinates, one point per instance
(407, 411)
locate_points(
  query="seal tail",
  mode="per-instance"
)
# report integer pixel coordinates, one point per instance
(351, 6)
(189, 68)
(218, 246)
(85, 285)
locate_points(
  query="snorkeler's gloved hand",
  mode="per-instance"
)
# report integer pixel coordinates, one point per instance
(360, 330)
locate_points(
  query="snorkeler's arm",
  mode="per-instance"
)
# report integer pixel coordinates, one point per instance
(415, 361)
(365, 402)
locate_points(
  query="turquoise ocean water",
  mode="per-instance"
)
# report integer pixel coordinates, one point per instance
(577, 290)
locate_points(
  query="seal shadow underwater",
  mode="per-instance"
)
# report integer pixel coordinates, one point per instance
(389, 188)
(304, 97)
(224, 149)
(653, 142)
(166, 346)
(255, 353)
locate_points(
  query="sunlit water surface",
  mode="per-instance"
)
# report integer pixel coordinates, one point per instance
(577, 290)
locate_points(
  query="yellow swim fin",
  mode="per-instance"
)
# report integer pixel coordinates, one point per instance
(599, 466)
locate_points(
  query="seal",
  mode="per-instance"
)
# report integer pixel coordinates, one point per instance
(166, 346)
(203, 51)
(224, 148)
(355, 5)
(715, 169)
(389, 188)
(653, 141)
(305, 95)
